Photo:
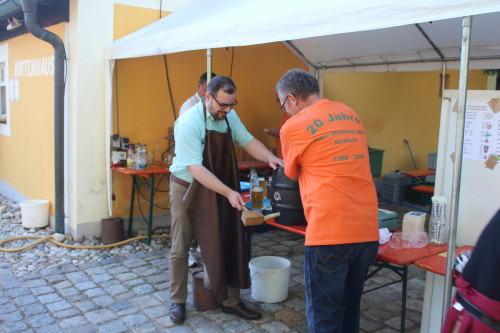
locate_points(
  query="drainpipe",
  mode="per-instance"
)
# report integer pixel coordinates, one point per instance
(30, 9)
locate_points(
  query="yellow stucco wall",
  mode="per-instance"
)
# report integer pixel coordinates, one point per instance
(27, 155)
(397, 106)
(144, 104)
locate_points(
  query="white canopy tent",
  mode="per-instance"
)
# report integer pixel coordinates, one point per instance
(328, 33)
(341, 35)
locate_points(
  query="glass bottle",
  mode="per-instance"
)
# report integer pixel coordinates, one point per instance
(438, 225)
(256, 191)
(130, 156)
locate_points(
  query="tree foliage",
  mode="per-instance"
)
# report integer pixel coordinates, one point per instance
(491, 71)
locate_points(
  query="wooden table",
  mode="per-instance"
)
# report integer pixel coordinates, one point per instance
(418, 178)
(422, 173)
(147, 181)
(146, 178)
(437, 263)
(397, 260)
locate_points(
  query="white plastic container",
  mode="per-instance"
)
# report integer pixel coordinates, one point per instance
(413, 222)
(34, 213)
(270, 278)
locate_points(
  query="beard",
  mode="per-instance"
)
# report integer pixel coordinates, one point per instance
(218, 115)
(221, 115)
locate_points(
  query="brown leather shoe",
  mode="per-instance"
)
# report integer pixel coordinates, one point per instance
(178, 312)
(241, 310)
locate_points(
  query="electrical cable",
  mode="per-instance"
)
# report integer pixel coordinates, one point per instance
(166, 151)
(231, 68)
(113, 198)
(140, 209)
(138, 189)
(158, 185)
(168, 84)
(49, 238)
(154, 192)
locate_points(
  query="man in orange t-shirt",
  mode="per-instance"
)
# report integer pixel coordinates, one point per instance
(324, 145)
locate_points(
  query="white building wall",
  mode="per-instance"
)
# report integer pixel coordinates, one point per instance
(90, 29)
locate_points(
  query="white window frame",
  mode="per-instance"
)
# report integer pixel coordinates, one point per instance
(4, 56)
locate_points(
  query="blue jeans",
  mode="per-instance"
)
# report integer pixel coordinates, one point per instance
(334, 276)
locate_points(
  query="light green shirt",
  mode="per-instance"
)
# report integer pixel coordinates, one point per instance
(189, 132)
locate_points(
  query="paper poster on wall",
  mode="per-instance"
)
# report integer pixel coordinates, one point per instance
(482, 130)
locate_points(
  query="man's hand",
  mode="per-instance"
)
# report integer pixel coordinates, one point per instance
(275, 161)
(235, 200)
(461, 260)
(257, 150)
(272, 132)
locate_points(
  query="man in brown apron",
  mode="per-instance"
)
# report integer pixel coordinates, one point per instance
(205, 199)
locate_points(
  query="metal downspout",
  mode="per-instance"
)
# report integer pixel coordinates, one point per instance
(30, 10)
(457, 170)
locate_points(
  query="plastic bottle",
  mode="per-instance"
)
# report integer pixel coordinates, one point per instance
(130, 157)
(144, 156)
(138, 159)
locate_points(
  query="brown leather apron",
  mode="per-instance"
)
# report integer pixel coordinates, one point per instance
(215, 223)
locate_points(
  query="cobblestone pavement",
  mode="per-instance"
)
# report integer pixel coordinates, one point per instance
(129, 293)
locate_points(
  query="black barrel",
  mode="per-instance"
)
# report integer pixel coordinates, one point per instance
(285, 199)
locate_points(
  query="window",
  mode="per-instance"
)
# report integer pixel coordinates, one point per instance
(3, 99)
(4, 83)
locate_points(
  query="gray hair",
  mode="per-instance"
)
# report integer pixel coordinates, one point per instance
(298, 83)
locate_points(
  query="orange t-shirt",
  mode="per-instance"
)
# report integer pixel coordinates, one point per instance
(325, 145)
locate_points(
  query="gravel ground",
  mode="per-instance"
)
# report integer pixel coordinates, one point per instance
(48, 288)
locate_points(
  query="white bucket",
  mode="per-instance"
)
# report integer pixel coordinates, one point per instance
(35, 213)
(270, 277)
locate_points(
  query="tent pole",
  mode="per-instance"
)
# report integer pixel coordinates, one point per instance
(438, 190)
(319, 76)
(209, 65)
(457, 170)
(443, 81)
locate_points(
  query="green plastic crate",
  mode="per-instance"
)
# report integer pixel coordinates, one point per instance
(387, 219)
(376, 157)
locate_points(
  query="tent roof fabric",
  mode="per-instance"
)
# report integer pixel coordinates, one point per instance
(327, 33)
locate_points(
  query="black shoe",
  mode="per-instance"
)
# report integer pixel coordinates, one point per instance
(178, 312)
(241, 310)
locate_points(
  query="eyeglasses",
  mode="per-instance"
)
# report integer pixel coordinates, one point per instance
(223, 105)
(283, 105)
